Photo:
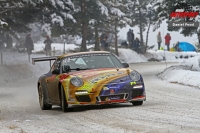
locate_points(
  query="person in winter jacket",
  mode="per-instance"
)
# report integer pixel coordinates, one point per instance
(137, 45)
(103, 39)
(48, 43)
(167, 40)
(130, 37)
(159, 40)
(109, 41)
(29, 44)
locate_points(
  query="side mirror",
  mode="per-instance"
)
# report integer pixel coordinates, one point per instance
(126, 65)
(56, 71)
(66, 69)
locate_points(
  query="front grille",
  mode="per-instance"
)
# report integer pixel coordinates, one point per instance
(137, 92)
(84, 98)
(112, 97)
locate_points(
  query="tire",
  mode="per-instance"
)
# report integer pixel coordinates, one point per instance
(64, 104)
(43, 105)
(137, 103)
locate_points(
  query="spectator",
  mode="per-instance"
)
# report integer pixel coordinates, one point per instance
(159, 40)
(103, 39)
(48, 43)
(29, 44)
(109, 41)
(130, 37)
(167, 40)
(137, 45)
(176, 47)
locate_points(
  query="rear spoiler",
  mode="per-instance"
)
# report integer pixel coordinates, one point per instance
(44, 59)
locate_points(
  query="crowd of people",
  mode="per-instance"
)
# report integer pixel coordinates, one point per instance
(133, 42)
(167, 42)
(30, 46)
(105, 41)
(6, 42)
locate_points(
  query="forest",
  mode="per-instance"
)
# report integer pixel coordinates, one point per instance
(88, 18)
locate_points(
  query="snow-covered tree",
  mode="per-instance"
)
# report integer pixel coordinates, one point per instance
(56, 16)
(90, 14)
(98, 21)
(17, 14)
(116, 18)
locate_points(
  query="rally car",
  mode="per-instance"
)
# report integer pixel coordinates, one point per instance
(89, 78)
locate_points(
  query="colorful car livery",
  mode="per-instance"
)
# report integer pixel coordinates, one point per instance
(89, 78)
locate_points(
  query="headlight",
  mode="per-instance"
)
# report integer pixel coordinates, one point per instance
(135, 76)
(76, 81)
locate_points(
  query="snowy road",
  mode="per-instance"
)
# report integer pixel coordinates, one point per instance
(170, 108)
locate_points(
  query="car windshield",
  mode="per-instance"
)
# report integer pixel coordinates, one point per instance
(92, 61)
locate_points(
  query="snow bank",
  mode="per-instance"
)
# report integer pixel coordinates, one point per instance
(182, 75)
(16, 67)
(131, 56)
(170, 56)
(193, 62)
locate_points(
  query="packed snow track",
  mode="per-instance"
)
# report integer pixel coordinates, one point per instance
(170, 108)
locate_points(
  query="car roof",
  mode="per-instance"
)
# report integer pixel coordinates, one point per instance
(80, 53)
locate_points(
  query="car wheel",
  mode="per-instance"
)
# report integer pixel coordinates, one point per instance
(64, 104)
(43, 105)
(137, 103)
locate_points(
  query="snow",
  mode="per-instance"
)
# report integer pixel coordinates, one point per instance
(57, 19)
(104, 9)
(187, 72)
(2, 23)
(117, 12)
(47, 29)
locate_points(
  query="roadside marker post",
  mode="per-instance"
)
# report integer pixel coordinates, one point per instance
(1, 58)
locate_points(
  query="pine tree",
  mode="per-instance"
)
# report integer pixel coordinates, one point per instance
(17, 14)
(56, 16)
(90, 15)
(116, 18)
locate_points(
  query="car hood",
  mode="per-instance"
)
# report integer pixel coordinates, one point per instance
(103, 75)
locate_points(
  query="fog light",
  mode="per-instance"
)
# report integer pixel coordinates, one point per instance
(81, 93)
(137, 86)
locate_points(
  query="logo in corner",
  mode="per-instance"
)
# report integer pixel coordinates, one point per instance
(185, 10)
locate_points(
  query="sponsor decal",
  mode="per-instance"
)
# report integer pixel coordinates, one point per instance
(101, 77)
(133, 83)
(114, 97)
(112, 91)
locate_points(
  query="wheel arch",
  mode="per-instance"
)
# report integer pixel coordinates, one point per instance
(41, 83)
